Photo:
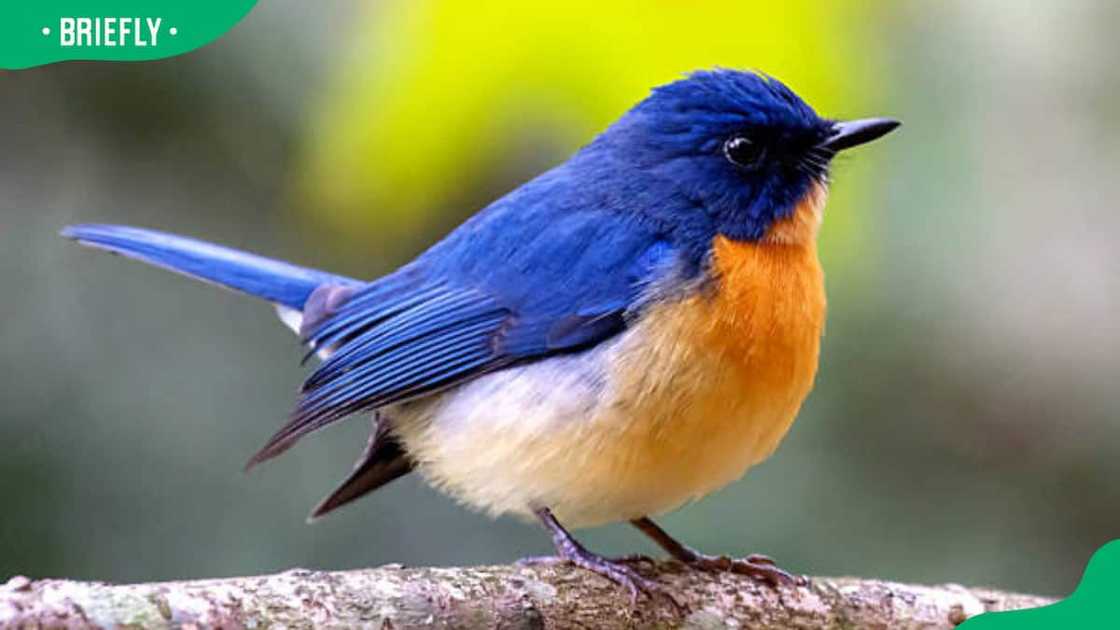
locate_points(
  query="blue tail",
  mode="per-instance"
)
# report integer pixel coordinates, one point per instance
(272, 280)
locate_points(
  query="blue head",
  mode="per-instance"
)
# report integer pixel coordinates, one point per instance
(741, 149)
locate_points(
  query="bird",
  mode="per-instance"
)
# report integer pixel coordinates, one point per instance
(623, 334)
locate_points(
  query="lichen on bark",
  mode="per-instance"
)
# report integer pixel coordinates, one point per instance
(491, 597)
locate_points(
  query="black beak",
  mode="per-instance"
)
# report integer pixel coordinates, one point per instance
(846, 135)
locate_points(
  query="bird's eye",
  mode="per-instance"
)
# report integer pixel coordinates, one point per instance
(742, 152)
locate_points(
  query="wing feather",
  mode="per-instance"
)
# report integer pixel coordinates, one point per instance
(480, 301)
(385, 359)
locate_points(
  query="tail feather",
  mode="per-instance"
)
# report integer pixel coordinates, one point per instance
(279, 282)
(383, 461)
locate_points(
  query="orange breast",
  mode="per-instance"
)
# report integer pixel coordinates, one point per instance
(768, 308)
(705, 388)
(767, 317)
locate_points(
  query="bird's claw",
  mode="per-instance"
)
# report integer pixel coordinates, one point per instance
(615, 570)
(756, 566)
(635, 558)
(632, 581)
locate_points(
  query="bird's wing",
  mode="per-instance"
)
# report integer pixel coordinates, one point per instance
(491, 295)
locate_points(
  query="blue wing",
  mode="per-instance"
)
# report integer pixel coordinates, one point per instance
(522, 280)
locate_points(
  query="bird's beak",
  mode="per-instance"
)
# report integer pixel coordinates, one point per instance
(848, 134)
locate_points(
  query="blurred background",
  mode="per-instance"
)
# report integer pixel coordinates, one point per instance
(966, 422)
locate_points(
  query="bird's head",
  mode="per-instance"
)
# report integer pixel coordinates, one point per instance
(741, 147)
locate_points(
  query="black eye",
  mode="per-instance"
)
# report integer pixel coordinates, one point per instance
(742, 152)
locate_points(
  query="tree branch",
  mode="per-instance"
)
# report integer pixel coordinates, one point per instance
(487, 597)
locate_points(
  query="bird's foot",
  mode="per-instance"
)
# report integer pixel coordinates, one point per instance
(615, 570)
(757, 566)
(620, 573)
(569, 549)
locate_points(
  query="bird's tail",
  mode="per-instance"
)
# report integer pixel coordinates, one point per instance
(281, 283)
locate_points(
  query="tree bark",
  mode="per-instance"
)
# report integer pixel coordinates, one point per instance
(492, 597)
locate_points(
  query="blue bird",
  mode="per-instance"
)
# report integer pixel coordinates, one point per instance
(625, 333)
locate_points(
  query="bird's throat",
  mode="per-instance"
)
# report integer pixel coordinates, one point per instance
(803, 224)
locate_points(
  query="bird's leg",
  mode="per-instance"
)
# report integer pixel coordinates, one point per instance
(757, 566)
(568, 548)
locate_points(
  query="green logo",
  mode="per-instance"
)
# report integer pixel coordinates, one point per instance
(1095, 603)
(37, 32)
